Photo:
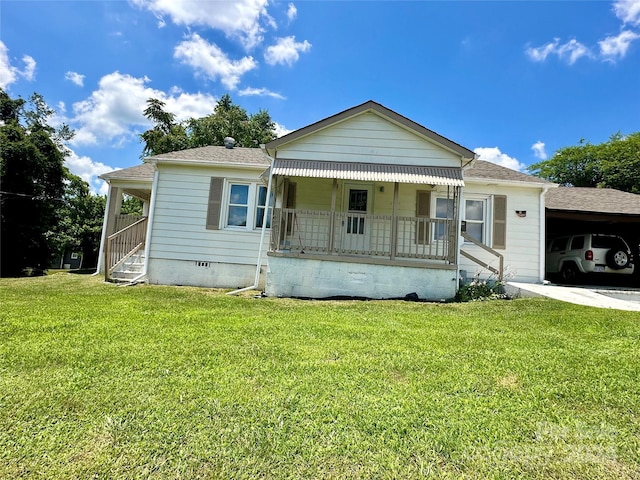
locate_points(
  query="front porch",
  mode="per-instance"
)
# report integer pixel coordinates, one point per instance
(371, 239)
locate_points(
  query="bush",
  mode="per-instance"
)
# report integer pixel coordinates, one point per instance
(481, 290)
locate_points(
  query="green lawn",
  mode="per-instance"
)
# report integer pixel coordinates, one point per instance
(104, 381)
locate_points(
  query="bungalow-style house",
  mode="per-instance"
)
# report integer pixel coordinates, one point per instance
(365, 203)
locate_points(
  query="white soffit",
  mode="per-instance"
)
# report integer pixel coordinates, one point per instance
(370, 172)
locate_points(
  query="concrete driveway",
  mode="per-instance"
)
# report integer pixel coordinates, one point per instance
(600, 297)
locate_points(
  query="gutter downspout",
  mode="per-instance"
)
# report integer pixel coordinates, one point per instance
(147, 242)
(256, 280)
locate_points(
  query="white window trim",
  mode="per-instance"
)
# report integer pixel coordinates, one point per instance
(252, 205)
(487, 231)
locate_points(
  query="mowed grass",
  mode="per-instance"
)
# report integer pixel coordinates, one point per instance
(103, 381)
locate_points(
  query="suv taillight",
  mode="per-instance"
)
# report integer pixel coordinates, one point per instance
(588, 255)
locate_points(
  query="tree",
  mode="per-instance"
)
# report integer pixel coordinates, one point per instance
(227, 120)
(31, 182)
(166, 135)
(80, 226)
(612, 164)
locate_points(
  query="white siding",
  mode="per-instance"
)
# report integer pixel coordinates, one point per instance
(369, 138)
(179, 223)
(522, 255)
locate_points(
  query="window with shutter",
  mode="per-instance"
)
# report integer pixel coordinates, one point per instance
(423, 210)
(500, 221)
(215, 203)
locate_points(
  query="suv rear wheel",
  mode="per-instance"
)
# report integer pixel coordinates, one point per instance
(569, 273)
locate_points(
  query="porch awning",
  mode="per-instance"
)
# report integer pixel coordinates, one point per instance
(370, 172)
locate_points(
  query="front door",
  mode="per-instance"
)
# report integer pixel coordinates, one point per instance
(356, 228)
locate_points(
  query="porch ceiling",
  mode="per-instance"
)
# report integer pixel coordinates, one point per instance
(369, 172)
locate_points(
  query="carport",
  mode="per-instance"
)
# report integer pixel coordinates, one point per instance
(571, 210)
(593, 210)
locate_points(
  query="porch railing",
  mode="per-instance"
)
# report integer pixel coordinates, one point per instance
(340, 233)
(124, 243)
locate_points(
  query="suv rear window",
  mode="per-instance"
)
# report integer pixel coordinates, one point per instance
(605, 242)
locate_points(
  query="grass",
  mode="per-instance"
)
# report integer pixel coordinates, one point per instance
(102, 381)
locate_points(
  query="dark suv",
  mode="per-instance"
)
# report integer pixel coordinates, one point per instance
(589, 253)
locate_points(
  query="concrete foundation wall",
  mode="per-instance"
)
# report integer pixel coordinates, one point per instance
(201, 274)
(296, 277)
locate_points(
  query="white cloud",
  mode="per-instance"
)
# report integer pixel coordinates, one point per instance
(539, 151)
(494, 155)
(628, 11)
(113, 113)
(75, 77)
(10, 73)
(292, 12)
(29, 72)
(259, 92)
(241, 19)
(210, 61)
(569, 52)
(281, 130)
(285, 51)
(616, 47)
(89, 171)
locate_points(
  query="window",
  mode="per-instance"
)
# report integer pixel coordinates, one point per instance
(238, 208)
(444, 211)
(261, 205)
(243, 206)
(475, 217)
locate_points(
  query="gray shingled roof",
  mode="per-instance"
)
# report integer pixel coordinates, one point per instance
(139, 172)
(483, 170)
(215, 155)
(594, 200)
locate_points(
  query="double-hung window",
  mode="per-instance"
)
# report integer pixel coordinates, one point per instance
(475, 217)
(238, 205)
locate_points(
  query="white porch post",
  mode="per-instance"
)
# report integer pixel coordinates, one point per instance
(394, 221)
(332, 219)
(112, 208)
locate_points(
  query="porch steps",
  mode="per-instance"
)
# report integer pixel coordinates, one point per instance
(131, 269)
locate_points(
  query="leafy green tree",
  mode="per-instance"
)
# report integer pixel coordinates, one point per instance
(80, 225)
(166, 135)
(31, 182)
(612, 164)
(227, 120)
(131, 206)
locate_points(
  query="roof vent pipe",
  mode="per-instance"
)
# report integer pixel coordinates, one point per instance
(229, 142)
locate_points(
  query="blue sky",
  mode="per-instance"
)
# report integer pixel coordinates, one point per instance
(512, 80)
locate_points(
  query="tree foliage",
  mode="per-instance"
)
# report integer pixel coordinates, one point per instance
(227, 120)
(612, 164)
(80, 226)
(31, 181)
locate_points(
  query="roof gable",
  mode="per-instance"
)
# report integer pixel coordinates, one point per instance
(381, 111)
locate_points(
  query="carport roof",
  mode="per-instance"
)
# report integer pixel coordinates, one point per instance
(593, 200)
